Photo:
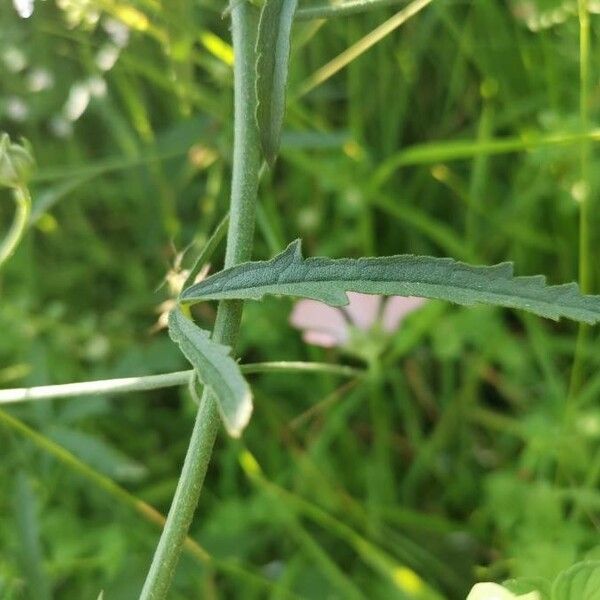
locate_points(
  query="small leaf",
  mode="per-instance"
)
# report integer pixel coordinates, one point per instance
(273, 56)
(328, 280)
(579, 582)
(216, 369)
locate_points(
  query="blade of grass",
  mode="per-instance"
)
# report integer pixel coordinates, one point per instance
(154, 382)
(338, 579)
(341, 9)
(360, 47)
(28, 525)
(105, 166)
(434, 152)
(208, 250)
(403, 579)
(125, 498)
(585, 209)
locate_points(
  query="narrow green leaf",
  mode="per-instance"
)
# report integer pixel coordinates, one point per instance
(328, 280)
(579, 582)
(273, 57)
(216, 369)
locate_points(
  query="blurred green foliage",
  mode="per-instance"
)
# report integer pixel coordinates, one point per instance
(492, 465)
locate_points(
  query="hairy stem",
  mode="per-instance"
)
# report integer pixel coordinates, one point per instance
(244, 186)
(144, 383)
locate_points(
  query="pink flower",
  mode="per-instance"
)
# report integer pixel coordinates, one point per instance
(326, 326)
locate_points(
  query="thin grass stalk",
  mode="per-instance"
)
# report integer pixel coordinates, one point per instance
(585, 267)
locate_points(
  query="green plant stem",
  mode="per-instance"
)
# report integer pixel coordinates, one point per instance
(585, 267)
(341, 9)
(17, 229)
(380, 483)
(244, 187)
(154, 382)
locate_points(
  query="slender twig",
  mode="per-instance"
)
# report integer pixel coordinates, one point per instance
(95, 388)
(586, 282)
(244, 187)
(346, 57)
(341, 9)
(301, 367)
(15, 233)
(154, 382)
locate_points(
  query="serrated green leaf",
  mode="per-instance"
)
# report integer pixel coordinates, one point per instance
(579, 582)
(216, 369)
(328, 280)
(273, 56)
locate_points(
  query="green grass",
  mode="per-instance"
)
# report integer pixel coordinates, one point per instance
(464, 133)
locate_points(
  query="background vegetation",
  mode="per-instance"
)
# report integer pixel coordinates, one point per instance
(445, 138)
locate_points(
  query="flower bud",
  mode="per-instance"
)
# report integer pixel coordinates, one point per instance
(16, 163)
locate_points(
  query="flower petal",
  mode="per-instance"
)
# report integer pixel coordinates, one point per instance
(493, 591)
(398, 307)
(320, 322)
(363, 309)
(318, 338)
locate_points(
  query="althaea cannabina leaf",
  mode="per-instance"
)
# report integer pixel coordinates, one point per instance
(273, 56)
(216, 369)
(328, 280)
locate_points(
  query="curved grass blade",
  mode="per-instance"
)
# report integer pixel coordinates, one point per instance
(273, 56)
(328, 280)
(216, 369)
(142, 508)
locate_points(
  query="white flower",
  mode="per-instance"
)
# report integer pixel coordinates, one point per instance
(14, 59)
(24, 8)
(493, 591)
(117, 31)
(77, 102)
(39, 80)
(60, 127)
(107, 57)
(17, 109)
(96, 86)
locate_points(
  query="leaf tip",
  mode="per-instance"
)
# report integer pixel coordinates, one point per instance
(237, 422)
